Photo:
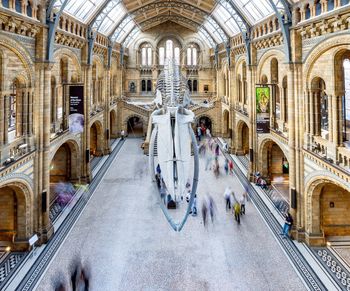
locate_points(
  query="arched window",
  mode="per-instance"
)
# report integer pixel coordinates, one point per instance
(245, 84)
(189, 83)
(189, 57)
(161, 56)
(149, 85)
(146, 56)
(344, 2)
(318, 7)
(177, 56)
(277, 103)
(169, 49)
(192, 56)
(320, 103)
(149, 56)
(18, 6)
(285, 98)
(274, 70)
(330, 5)
(143, 56)
(239, 88)
(307, 11)
(13, 107)
(346, 101)
(5, 3)
(143, 85)
(195, 86)
(29, 9)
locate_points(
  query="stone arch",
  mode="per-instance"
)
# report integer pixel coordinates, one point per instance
(139, 42)
(23, 54)
(210, 125)
(314, 188)
(243, 137)
(340, 41)
(141, 128)
(194, 40)
(160, 38)
(59, 53)
(226, 124)
(17, 228)
(73, 147)
(263, 61)
(266, 153)
(96, 138)
(113, 126)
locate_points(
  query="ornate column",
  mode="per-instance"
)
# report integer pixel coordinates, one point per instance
(107, 106)
(85, 148)
(253, 136)
(336, 116)
(46, 119)
(293, 116)
(2, 118)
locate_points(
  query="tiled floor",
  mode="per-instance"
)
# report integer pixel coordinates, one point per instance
(124, 238)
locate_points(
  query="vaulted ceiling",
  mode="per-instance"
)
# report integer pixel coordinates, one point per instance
(214, 20)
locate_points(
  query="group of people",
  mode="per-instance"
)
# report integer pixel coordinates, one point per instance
(208, 209)
(202, 132)
(79, 279)
(237, 206)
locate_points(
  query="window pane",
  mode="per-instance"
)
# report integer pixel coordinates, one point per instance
(144, 57)
(161, 56)
(189, 57)
(194, 56)
(177, 56)
(149, 56)
(169, 49)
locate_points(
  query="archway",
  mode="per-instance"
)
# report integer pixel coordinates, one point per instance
(96, 139)
(330, 215)
(63, 175)
(226, 124)
(113, 124)
(135, 126)
(275, 167)
(13, 222)
(242, 139)
(205, 122)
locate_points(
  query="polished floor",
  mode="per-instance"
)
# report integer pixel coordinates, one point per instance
(124, 239)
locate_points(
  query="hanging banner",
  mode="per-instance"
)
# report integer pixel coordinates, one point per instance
(263, 95)
(76, 108)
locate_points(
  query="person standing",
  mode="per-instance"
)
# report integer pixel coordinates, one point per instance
(237, 211)
(243, 202)
(227, 196)
(230, 166)
(122, 133)
(287, 225)
(226, 167)
(194, 206)
(199, 133)
(204, 212)
(212, 207)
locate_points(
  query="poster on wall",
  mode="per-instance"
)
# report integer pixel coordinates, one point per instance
(263, 109)
(76, 108)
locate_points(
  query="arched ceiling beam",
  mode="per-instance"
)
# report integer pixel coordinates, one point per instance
(214, 24)
(181, 19)
(284, 16)
(173, 17)
(242, 23)
(53, 14)
(130, 37)
(169, 5)
(96, 23)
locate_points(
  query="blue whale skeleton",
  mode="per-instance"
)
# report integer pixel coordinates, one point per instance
(173, 135)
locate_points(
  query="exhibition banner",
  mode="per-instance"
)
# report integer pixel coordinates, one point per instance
(263, 95)
(76, 108)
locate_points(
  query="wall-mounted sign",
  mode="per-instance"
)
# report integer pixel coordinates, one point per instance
(76, 108)
(263, 95)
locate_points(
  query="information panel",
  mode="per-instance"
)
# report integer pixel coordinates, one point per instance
(263, 95)
(76, 108)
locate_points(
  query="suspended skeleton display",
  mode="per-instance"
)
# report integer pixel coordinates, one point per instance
(174, 139)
